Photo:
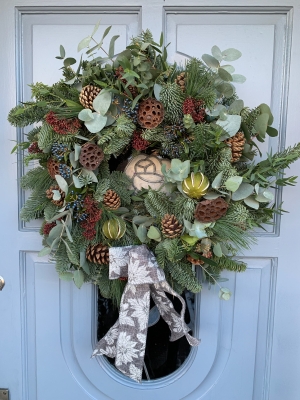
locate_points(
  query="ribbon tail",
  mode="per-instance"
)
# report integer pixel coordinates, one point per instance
(176, 322)
(108, 344)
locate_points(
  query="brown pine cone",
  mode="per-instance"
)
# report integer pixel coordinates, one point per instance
(236, 143)
(111, 200)
(98, 254)
(87, 96)
(49, 194)
(53, 167)
(180, 80)
(170, 226)
(194, 260)
(211, 210)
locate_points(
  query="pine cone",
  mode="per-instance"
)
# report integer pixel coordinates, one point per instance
(49, 194)
(170, 226)
(211, 210)
(87, 95)
(180, 80)
(236, 143)
(111, 200)
(98, 254)
(194, 260)
(53, 167)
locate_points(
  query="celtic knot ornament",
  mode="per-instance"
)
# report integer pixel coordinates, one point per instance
(145, 171)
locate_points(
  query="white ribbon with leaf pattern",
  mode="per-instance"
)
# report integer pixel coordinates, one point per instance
(126, 340)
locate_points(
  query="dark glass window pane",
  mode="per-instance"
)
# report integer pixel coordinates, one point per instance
(162, 357)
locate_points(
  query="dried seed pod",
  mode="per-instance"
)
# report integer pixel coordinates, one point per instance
(151, 113)
(53, 167)
(211, 210)
(91, 156)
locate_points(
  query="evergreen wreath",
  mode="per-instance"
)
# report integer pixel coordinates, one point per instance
(191, 191)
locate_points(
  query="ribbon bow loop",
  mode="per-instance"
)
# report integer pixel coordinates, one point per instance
(126, 340)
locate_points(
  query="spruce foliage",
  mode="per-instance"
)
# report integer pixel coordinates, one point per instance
(26, 114)
(172, 99)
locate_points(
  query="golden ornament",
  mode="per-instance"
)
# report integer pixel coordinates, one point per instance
(113, 229)
(195, 185)
(145, 171)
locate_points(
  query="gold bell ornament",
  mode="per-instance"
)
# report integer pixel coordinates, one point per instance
(195, 185)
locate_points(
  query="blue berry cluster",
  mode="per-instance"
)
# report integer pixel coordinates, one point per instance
(76, 203)
(133, 114)
(174, 131)
(59, 150)
(64, 171)
(172, 149)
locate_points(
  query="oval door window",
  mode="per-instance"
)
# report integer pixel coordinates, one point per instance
(162, 357)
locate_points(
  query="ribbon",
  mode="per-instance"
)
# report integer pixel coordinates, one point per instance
(126, 339)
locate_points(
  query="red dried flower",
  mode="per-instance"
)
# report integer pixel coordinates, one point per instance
(34, 148)
(94, 215)
(138, 143)
(47, 228)
(63, 126)
(194, 108)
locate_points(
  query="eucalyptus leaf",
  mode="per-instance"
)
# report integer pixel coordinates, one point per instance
(90, 174)
(226, 89)
(66, 276)
(84, 43)
(215, 111)
(237, 78)
(264, 108)
(77, 149)
(69, 61)
(77, 183)
(62, 183)
(86, 115)
(231, 125)
(111, 49)
(229, 68)
(272, 132)
(97, 124)
(191, 240)
(72, 159)
(217, 250)
(224, 75)
(231, 54)
(44, 252)
(157, 90)
(102, 102)
(261, 123)
(210, 195)
(212, 62)
(233, 183)
(54, 233)
(217, 181)
(236, 107)
(244, 190)
(78, 278)
(216, 52)
(251, 202)
(56, 195)
(154, 233)
(142, 233)
(224, 294)
(140, 219)
(83, 263)
(62, 51)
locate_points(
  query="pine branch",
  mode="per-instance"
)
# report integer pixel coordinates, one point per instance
(184, 208)
(26, 114)
(182, 273)
(34, 206)
(37, 178)
(157, 203)
(172, 99)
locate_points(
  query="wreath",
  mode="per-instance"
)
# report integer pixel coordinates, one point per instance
(147, 169)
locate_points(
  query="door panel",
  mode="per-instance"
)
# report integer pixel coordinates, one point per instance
(49, 325)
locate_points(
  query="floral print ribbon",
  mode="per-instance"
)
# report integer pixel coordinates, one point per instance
(126, 340)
